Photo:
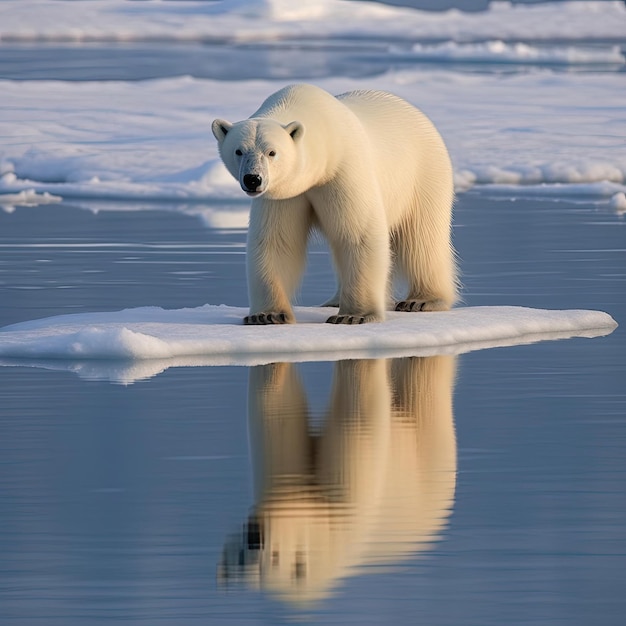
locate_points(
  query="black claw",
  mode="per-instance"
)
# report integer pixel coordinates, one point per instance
(410, 305)
(345, 319)
(265, 318)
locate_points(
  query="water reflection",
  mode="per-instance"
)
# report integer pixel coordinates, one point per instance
(372, 485)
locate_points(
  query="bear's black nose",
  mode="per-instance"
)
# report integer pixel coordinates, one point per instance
(252, 181)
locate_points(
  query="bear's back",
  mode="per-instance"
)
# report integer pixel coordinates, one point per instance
(408, 151)
(392, 124)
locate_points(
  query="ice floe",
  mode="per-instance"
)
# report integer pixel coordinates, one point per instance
(215, 335)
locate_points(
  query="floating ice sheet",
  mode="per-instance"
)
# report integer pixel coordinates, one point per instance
(138, 343)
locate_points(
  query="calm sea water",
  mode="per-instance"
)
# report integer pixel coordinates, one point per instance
(485, 489)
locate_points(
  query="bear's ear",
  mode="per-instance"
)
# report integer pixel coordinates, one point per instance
(220, 129)
(296, 130)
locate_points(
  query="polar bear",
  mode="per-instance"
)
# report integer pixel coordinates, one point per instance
(369, 171)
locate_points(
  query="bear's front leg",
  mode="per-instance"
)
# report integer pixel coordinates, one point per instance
(363, 266)
(275, 257)
(351, 215)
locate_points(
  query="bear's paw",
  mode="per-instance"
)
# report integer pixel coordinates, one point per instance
(267, 318)
(352, 319)
(414, 305)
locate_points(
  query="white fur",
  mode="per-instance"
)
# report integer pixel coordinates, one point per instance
(369, 171)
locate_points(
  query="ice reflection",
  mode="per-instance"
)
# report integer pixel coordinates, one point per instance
(374, 485)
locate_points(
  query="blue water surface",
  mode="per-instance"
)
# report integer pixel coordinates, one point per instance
(234, 495)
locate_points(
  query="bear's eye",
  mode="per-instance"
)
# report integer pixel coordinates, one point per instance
(271, 153)
(238, 152)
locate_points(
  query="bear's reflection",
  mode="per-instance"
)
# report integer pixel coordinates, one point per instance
(375, 485)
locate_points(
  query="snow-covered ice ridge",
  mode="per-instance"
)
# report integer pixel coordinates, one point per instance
(497, 51)
(215, 335)
(267, 20)
(152, 141)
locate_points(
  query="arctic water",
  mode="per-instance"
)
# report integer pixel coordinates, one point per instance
(248, 495)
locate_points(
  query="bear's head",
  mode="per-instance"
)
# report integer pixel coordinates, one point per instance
(261, 154)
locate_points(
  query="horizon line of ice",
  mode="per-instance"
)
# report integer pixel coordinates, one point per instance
(271, 20)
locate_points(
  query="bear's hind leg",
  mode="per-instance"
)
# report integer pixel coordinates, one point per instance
(424, 255)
